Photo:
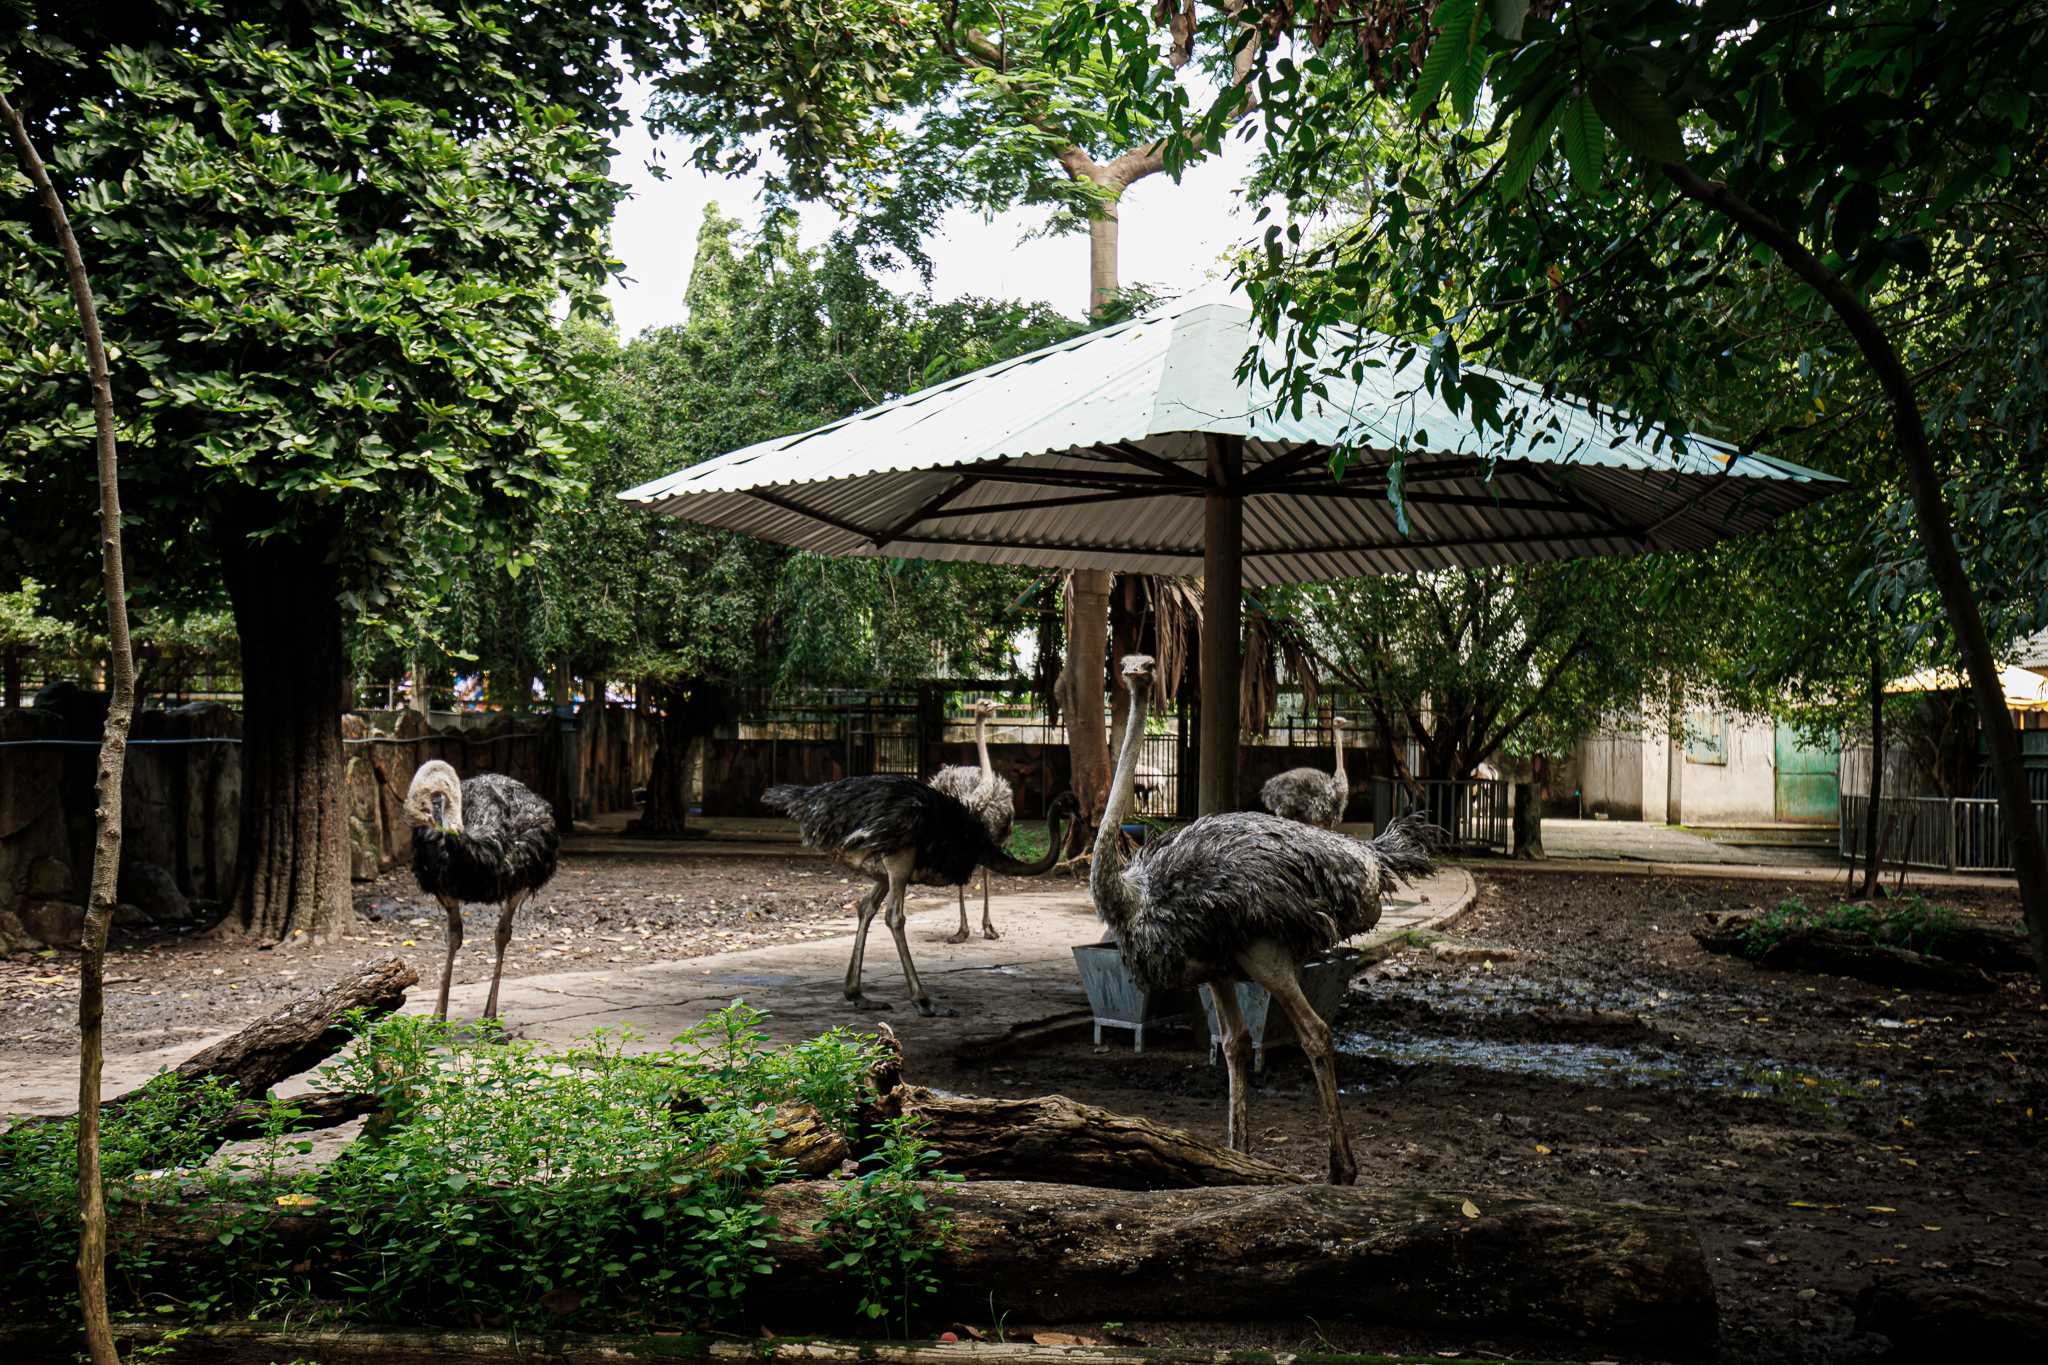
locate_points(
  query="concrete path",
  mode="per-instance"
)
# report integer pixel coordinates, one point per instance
(1006, 992)
(1637, 841)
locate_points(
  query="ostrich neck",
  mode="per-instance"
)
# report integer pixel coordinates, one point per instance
(1113, 901)
(1339, 732)
(988, 770)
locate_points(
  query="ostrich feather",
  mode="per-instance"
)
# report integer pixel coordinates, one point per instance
(507, 844)
(1306, 795)
(865, 819)
(1226, 880)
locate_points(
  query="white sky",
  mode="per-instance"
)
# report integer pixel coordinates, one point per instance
(1172, 236)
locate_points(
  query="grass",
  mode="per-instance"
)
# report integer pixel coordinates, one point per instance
(1898, 921)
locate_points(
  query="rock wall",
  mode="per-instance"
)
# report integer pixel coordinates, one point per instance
(181, 801)
(180, 810)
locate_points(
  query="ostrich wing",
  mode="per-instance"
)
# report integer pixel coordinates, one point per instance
(1226, 881)
(861, 817)
(508, 844)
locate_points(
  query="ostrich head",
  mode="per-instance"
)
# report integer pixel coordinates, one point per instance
(435, 798)
(985, 706)
(1339, 722)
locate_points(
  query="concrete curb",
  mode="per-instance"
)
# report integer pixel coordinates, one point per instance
(1751, 872)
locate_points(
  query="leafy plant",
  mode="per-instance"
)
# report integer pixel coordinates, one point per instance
(1900, 921)
(884, 1227)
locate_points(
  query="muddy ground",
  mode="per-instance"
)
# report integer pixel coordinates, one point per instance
(1824, 1135)
(598, 910)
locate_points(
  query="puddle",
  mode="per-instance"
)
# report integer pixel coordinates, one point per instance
(749, 979)
(1615, 1067)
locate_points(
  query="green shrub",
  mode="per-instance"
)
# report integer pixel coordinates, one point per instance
(1899, 921)
(498, 1184)
(884, 1230)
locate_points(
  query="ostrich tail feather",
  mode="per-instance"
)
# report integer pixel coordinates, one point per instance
(1404, 848)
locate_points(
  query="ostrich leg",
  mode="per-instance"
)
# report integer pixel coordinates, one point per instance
(900, 869)
(988, 928)
(504, 937)
(453, 909)
(868, 907)
(1274, 968)
(1237, 1057)
(960, 935)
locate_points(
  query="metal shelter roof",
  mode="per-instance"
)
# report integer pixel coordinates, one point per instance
(1091, 454)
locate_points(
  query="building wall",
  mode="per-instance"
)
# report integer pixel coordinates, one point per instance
(1741, 791)
(1609, 768)
(1622, 773)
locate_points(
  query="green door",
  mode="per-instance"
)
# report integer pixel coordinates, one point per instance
(1808, 780)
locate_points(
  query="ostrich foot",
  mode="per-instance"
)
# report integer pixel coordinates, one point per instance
(863, 1002)
(932, 1009)
(988, 931)
(960, 937)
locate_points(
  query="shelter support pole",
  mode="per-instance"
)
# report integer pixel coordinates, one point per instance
(1222, 603)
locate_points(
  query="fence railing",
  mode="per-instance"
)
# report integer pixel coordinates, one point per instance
(1478, 814)
(1941, 833)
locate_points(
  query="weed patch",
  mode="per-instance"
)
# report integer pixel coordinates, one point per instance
(1898, 921)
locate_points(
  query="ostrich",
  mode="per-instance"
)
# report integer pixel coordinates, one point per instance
(1243, 897)
(485, 840)
(988, 796)
(1310, 795)
(901, 832)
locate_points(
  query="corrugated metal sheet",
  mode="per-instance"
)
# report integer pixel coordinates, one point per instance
(1092, 455)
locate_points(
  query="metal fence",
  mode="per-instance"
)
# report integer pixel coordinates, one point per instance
(1478, 814)
(1942, 833)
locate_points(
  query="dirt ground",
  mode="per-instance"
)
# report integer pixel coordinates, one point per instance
(167, 986)
(1823, 1134)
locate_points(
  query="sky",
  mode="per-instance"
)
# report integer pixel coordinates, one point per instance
(1172, 236)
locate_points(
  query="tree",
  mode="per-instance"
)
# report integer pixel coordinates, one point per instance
(1638, 161)
(106, 863)
(328, 239)
(1480, 664)
(895, 112)
(780, 338)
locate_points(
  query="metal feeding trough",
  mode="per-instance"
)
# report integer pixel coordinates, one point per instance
(1117, 1003)
(1322, 981)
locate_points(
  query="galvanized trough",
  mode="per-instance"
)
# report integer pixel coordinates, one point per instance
(1117, 1003)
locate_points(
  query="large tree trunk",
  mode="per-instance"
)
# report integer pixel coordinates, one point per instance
(1081, 684)
(689, 711)
(1066, 1253)
(291, 863)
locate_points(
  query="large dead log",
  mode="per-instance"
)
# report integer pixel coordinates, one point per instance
(1840, 953)
(1054, 1138)
(301, 1035)
(1064, 1253)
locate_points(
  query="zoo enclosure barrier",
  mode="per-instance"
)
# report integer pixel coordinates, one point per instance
(1478, 813)
(1940, 833)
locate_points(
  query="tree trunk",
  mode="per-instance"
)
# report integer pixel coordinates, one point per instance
(1674, 770)
(1068, 1253)
(1083, 677)
(689, 712)
(291, 864)
(1871, 870)
(1937, 539)
(106, 863)
(1528, 821)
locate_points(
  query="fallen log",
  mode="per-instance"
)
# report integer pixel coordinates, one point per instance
(1057, 1139)
(1063, 1253)
(300, 1036)
(1841, 953)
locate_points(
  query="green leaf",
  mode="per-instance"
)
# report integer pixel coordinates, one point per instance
(1636, 114)
(1526, 145)
(1459, 22)
(1585, 143)
(1507, 17)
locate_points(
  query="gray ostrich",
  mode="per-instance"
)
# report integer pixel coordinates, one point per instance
(1243, 897)
(902, 832)
(989, 797)
(1310, 795)
(488, 840)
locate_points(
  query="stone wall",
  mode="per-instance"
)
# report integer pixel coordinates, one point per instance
(181, 801)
